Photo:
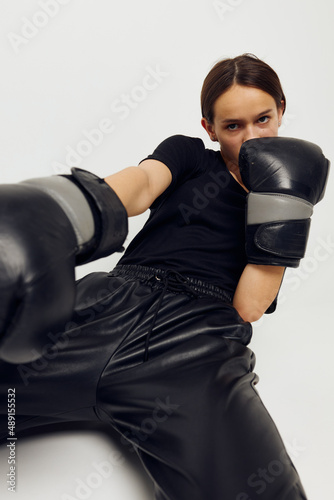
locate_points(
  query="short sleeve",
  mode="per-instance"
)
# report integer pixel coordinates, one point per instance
(182, 155)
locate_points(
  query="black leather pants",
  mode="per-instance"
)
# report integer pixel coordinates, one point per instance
(164, 360)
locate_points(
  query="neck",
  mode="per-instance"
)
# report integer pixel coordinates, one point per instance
(235, 172)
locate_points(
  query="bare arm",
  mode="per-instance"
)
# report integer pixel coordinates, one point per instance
(258, 285)
(138, 187)
(256, 290)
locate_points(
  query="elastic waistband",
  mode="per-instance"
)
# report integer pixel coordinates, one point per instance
(146, 273)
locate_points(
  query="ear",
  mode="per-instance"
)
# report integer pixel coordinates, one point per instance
(210, 129)
(281, 111)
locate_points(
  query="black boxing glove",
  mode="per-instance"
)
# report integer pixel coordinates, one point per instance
(286, 178)
(47, 227)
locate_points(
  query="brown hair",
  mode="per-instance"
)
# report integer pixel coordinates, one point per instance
(245, 70)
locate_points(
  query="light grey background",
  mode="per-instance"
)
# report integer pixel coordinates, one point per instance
(66, 65)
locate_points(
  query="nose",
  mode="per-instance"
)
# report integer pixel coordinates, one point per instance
(250, 132)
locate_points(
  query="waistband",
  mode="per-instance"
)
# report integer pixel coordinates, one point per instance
(175, 281)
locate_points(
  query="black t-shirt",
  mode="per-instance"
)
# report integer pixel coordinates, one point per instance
(197, 226)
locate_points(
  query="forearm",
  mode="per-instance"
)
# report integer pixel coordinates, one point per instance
(256, 290)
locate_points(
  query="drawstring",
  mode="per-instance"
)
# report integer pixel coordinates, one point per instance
(174, 282)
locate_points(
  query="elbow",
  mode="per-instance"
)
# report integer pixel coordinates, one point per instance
(250, 315)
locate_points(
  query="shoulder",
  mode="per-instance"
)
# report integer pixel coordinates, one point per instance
(179, 140)
(182, 150)
(180, 153)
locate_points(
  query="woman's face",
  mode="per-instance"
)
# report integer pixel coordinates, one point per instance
(242, 113)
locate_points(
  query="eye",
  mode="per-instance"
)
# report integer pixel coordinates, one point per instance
(264, 119)
(232, 126)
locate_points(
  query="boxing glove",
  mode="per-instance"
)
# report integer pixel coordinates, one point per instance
(286, 177)
(47, 227)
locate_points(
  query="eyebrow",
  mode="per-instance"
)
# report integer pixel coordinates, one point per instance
(235, 120)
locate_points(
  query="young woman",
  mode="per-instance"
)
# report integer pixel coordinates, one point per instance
(158, 347)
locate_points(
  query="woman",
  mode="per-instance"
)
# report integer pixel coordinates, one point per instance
(158, 347)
